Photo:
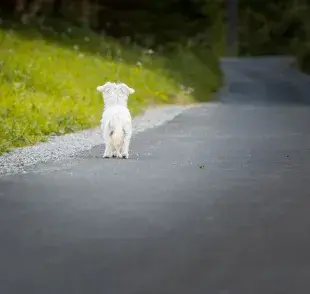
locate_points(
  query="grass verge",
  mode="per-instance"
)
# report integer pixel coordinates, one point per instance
(49, 76)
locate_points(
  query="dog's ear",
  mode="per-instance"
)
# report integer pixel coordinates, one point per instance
(107, 86)
(100, 88)
(127, 89)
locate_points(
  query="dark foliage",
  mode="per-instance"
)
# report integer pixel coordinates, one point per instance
(265, 26)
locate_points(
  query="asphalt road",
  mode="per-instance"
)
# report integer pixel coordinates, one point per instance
(217, 201)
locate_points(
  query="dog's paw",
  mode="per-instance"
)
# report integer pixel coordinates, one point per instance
(125, 156)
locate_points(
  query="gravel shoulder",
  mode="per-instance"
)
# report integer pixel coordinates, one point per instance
(61, 147)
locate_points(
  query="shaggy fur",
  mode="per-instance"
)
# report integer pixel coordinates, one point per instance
(116, 119)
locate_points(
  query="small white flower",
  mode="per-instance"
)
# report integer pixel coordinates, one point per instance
(86, 39)
(76, 47)
(17, 85)
(69, 30)
(139, 63)
(190, 90)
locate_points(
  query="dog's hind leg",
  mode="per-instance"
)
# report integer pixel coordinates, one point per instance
(108, 152)
(126, 143)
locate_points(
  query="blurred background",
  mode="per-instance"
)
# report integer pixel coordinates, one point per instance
(264, 27)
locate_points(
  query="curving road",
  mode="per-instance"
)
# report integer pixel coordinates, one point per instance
(217, 201)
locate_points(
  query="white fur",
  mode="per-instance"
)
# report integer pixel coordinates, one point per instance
(116, 119)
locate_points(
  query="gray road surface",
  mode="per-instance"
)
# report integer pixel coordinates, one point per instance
(217, 201)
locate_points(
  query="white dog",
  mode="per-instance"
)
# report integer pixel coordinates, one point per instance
(116, 119)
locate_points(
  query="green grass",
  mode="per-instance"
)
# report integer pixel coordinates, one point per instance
(48, 79)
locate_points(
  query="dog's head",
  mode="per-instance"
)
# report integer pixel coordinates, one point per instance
(114, 93)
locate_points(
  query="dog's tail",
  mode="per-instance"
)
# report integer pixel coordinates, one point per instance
(116, 135)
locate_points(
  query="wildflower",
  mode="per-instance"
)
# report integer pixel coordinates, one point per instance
(190, 90)
(17, 85)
